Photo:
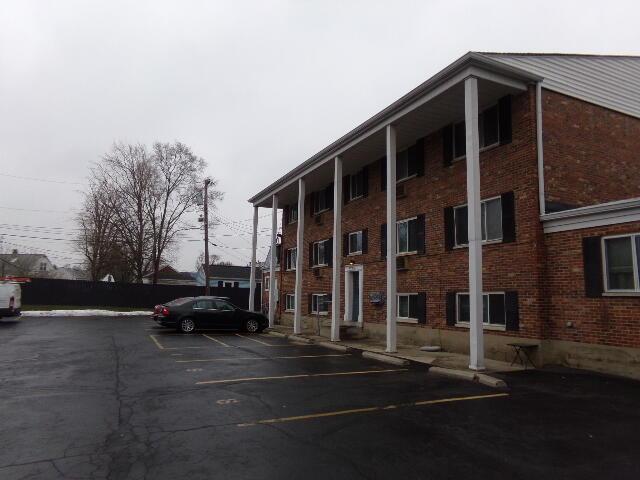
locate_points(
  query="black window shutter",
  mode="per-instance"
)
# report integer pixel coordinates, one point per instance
(421, 307)
(329, 193)
(365, 240)
(383, 173)
(312, 203)
(285, 215)
(346, 188)
(592, 258)
(449, 228)
(365, 181)
(451, 308)
(310, 254)
(310, 299)
(461, 228)
(383, 240)
(420, 234)
(504, 119)
(328, 251)
(508, 217)
(511, 311)
(419, 160)
(447, 145)
(345, 244)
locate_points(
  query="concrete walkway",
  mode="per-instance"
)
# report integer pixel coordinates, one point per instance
(449, 360)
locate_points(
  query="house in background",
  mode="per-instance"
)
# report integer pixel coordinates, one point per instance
(26, 265)
(168, 275)
(234, 276)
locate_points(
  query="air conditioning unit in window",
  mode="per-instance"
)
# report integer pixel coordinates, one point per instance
(318, 219)
(400, 191)
(401, 263)
(316, 272)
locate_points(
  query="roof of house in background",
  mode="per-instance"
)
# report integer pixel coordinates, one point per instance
(167, 272)
(21, 263)
(231, 272)
(611, 81)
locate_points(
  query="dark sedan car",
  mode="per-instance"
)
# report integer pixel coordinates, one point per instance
(187, 314)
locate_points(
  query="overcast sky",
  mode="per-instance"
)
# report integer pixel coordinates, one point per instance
(254, 87)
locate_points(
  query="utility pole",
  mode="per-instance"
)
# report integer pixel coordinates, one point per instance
(206, 236)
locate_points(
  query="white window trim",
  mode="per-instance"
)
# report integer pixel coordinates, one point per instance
(410, 252)
(484, 242)
(400, 319)
(313, 264)
(286, 302)
(315, 312)
(481, 149)
(359, 252)
(267, 283)
(485, 326)
(290, 268)
(634, 253)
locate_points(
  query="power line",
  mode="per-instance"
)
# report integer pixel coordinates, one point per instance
(34, 210)
(61, 182)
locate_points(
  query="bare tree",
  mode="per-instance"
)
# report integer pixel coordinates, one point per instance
(213, 260)
(178, 173)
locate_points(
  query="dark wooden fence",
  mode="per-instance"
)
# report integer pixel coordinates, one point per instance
(46, 291)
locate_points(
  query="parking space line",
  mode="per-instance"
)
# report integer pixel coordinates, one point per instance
(261, 358)
(305, 375)
(369, 409)
(215, 340)
(254, 340)
(155, 340)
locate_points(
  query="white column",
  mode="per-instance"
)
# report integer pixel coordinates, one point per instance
(254, 246)
(272, 265)
(297, 316)
(337, 250)
(391, 239)
(476, 342)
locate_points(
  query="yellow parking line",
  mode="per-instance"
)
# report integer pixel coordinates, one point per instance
(368, 409)
(254, 340)
(155, 340)
(261, 358)
(216, 340)
(305, 375)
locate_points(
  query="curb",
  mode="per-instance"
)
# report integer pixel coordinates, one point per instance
(385, 358)
(275, 333)
(298, 338)
(334, 346)
(481, 378)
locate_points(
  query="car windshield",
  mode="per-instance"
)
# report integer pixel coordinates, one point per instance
(178, 301)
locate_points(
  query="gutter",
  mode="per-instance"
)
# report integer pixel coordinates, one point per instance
(540, 148)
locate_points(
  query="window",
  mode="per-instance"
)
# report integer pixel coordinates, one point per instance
(266, 283)
(290, 302)
(491, 222)
(43, 267)
(228, 284)
(236, 284)
(319, 303)
(322, 200)
(203, 305)
(320, 253)
(223, 305)
(488, 130)
(402, 165)
(220, 283)
(493, 309)
(622, 265)
(407, 308)
(355, 243)
(407, 235)
(356, 185)
(293, 213)
(290, 259)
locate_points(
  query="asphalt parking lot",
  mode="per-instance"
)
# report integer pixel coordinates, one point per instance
(121, 398)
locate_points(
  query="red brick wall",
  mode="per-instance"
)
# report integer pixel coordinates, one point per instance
(514, 266)
(590, 152)
(607, 320)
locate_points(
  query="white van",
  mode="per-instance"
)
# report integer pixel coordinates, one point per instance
(10, 299)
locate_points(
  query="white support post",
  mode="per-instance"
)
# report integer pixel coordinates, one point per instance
(476, 341)
(254, 246)
(337, 250)
(272, 265)
(391, 239)
(297, 316)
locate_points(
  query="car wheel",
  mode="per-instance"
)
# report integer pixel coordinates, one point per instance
(252, 325)
(186, 325)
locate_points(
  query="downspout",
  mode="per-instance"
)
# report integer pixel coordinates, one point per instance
(540, 147)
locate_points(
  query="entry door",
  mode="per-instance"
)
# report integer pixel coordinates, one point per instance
(355, 296)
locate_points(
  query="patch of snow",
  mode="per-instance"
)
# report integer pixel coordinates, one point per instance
(83, 313)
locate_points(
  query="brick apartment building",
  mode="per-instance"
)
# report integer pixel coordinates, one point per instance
(499, 201)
